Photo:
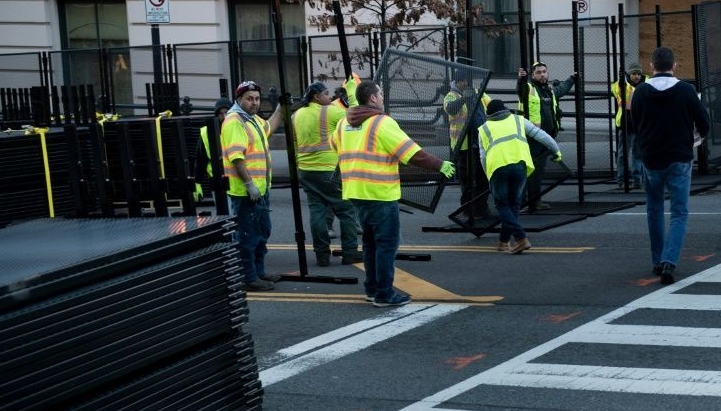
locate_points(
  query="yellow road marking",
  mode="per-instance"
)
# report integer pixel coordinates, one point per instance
(455, 248)
(419, 289)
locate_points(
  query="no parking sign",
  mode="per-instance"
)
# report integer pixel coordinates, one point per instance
(157, 11)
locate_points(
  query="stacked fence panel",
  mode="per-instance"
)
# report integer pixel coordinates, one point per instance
(132, 314)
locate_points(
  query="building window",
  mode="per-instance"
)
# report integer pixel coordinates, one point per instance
(85, 27)
(252, 26)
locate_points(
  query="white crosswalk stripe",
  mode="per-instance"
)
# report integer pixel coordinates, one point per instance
(526, 371)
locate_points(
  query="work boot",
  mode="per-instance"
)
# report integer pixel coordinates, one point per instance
(520, 246)
(323, 259)
(503, 246)
(352, 258)
(259, 285)
(270, 277)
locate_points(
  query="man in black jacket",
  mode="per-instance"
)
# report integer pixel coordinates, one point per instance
(665, 111)
(543, 111)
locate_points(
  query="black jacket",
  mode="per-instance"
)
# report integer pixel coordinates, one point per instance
(664, 111)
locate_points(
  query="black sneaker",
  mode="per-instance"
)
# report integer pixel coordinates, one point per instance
(352, 258)
(667, 273)
(395, 301)
(259, 285)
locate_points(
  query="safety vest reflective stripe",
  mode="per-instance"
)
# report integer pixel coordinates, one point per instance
(510, 147)
(206, 146)
(321, 145)
(457, 121)
(534, 106)
(255, 155)
(492, 142)
(368, 171)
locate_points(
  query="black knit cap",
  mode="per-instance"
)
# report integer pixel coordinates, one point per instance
(494, 106)
(461, 75)
(222, 103)
(312, 90)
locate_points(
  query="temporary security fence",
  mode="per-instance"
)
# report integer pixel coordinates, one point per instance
(707, 17)
(142, 314)
(145, 81)
(414, 87)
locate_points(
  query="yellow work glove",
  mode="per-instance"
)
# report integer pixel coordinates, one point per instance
(350, 86)
(447, 169)
(198, 194)
(557, 156)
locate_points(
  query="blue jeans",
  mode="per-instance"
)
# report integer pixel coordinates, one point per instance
(381, 227)
(323, 193)
(635, 165)
(677, 179)
(251, 234)
(507, 188)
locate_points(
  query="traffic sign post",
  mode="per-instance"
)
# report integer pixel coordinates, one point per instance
(157, 11)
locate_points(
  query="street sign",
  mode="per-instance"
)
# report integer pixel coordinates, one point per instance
(157, 11)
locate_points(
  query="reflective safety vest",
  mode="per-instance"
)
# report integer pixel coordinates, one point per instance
(616, 90)
(504, 142)
(369, 157)
(456, 122)
(206, 146)
(313, 125)
(534, 107)
(247, 140)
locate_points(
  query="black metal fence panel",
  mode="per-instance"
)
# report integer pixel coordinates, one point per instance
(554, 45)
(708, 23)
(414, 87)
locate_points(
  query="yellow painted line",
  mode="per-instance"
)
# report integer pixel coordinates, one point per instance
(470, 248)
(420, 290)
(423, 290)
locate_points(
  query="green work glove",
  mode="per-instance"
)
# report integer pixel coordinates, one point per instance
(447, 169)
(350, 86)
(557, 156)
(198, 194)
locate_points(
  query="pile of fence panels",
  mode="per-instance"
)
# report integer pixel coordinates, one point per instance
(124, 314)
(34, 176)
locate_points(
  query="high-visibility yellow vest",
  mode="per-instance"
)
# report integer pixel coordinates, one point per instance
(616, 90)
(369, 156)
(246, 140)
(504, 142)
(206, 146)
(456, 122)
(313, 125)
(534, 107)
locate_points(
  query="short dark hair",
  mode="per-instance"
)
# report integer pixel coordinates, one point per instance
(663, 59)
(365, 90)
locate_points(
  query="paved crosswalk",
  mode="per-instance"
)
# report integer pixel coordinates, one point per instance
(530, 370)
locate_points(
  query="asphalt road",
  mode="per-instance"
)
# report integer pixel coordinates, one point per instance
(578, 322)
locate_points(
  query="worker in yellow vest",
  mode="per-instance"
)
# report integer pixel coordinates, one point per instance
(342, 98)
(313, 124)
(370, 146)
(247, 164)
(457, 103)
(203, 167)
(543, 112)
(624, 125)
(506, 159)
